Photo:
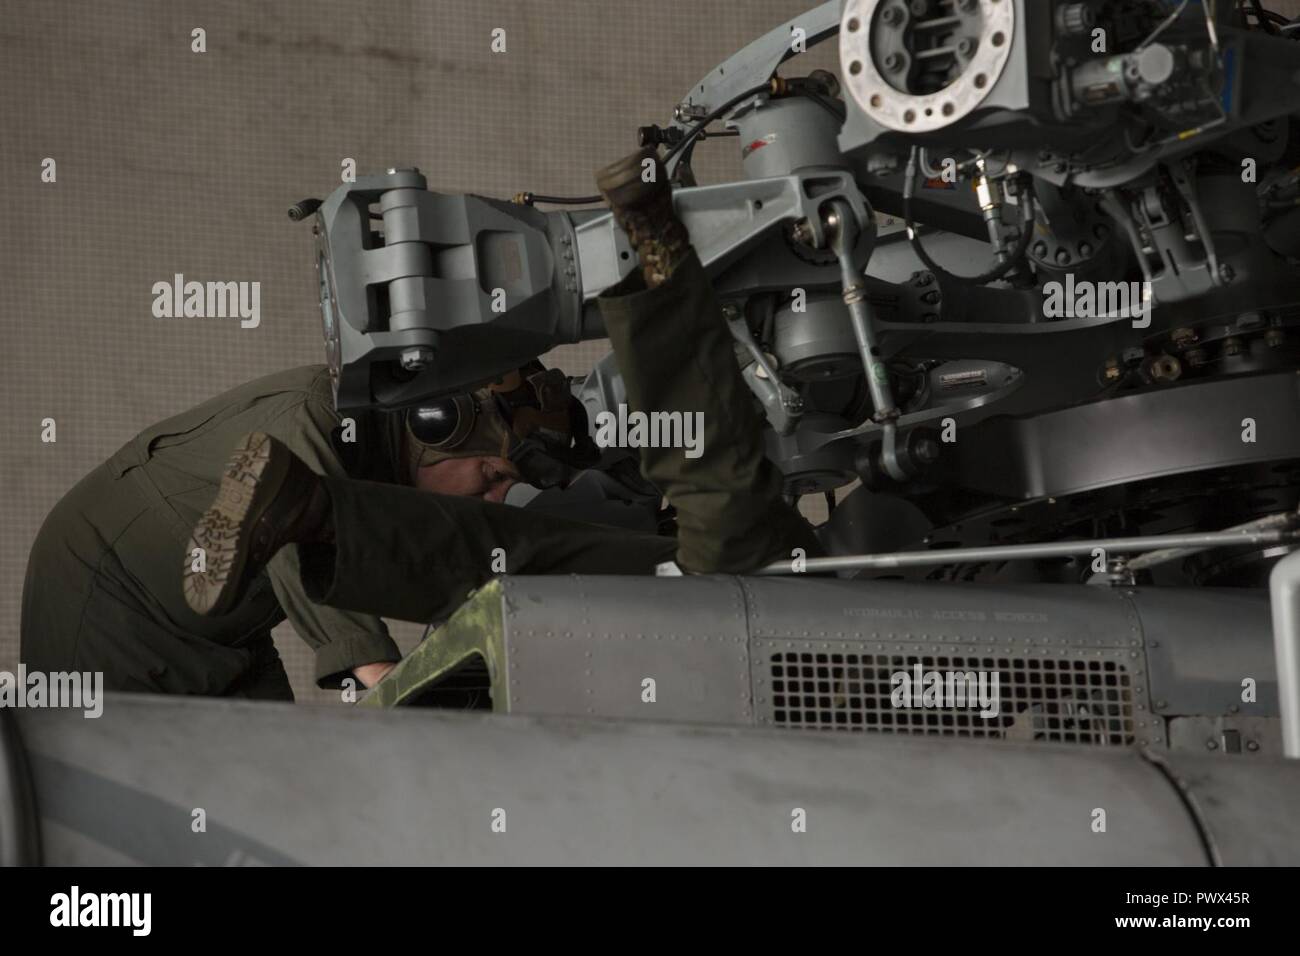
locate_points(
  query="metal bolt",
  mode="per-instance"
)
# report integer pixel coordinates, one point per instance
(1075, 18)
(892, 16)
(1040, 250)
(1161, 704)
(1227, 273)
(1252, 745)
(1211, 745)
(831, 224)
(927, 450)
(894, 62)
(1085, 249)
(413, 360)
(1232, 346)
(965, 47)
(1063, 257)
(1166, 368)
(1275, 338)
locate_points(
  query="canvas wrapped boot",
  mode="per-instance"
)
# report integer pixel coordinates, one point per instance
(268, 498)
(641, 198)
(677, 357)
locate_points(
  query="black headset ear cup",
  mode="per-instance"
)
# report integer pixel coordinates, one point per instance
(443, 424)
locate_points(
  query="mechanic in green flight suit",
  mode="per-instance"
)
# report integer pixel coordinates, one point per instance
(390, 549)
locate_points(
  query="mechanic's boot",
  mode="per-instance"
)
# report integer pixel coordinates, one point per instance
(644, 210)
(268, 498)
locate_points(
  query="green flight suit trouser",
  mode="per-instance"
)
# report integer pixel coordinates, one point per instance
(676, 354)
(410, 554)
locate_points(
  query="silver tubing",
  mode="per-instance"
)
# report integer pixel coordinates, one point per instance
(843, 237)
(1286, 519)
(1016, 552)
(1284, 590)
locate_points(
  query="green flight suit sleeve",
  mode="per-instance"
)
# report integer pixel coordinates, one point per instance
(341, 639)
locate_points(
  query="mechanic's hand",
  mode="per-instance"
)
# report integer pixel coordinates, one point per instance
(372, 674)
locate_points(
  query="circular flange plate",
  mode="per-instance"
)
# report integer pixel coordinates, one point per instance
(922, 114)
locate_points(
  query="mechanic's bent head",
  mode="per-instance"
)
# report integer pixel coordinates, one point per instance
(464, 444)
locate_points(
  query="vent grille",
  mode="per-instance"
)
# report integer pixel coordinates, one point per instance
(466, 686)
(1056, 700)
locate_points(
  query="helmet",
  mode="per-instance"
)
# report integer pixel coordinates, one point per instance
(525, 416)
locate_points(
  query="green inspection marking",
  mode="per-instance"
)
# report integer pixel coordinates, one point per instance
(477, 627)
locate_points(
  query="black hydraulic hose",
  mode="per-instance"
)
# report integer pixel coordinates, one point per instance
(830, 106)
(529, 198)
(685, 144)
(1263, 17)
(695, 132)
(303, 208)
(698, 128)
(992, 275)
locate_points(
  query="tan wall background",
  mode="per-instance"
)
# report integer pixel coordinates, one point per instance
(171, 161)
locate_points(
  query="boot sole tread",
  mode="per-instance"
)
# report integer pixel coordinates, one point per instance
(224, 531)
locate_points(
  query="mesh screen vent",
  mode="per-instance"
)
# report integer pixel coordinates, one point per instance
(467, 686)
(1056, 700)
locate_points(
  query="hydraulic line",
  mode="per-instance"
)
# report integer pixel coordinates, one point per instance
(997, 272)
